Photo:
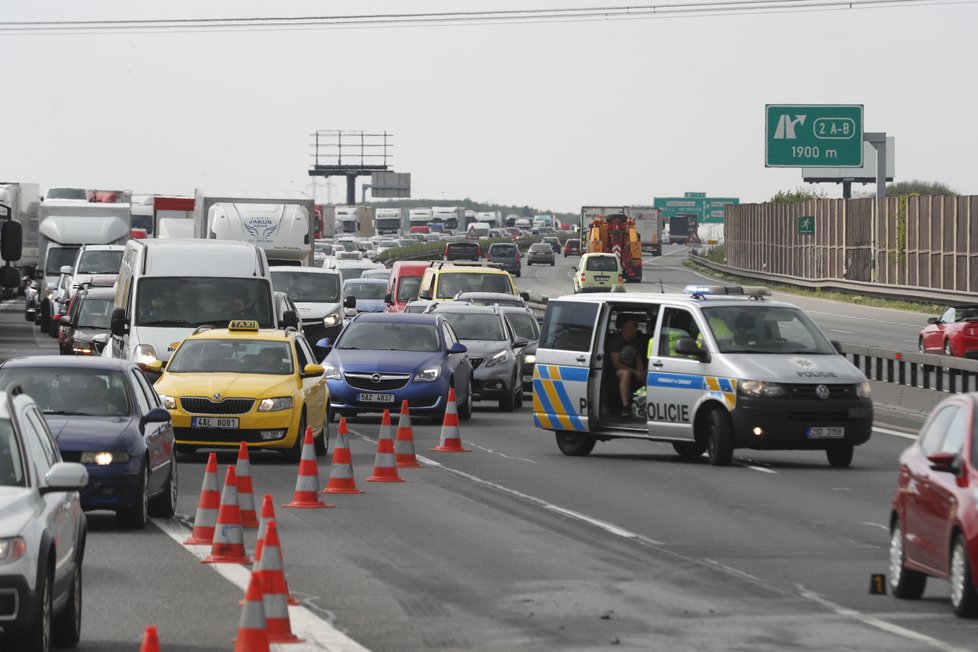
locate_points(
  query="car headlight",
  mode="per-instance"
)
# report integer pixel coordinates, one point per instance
(529, 358)
(428, 375)
(169, 402)
(104, 458)
(83, 348)
(275, 404)
(332, 319)
(499, 358)
(144, 354)
(12, 549)
(760, 389)
(331, 372)
(864, 390)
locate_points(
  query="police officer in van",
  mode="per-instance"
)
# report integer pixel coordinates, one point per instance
(627, 350)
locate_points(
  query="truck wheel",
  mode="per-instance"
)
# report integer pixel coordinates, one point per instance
(574, 444)
(719, 437)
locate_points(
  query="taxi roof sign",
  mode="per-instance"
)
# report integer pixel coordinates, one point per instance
(243, 325)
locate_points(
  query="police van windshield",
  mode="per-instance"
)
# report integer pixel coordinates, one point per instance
(756, 328)
(190, 302)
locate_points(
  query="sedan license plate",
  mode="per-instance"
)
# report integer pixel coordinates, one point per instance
(375, 398)
(229, 423)
(836, 432)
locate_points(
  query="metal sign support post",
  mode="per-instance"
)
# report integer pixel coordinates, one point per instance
(878, 140)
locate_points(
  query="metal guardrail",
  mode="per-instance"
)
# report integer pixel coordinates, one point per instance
(918, 370)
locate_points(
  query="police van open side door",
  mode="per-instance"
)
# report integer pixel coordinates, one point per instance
(564, 372)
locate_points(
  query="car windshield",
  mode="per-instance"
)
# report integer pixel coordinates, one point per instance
(475, 326)
(58, 257)
(765, 329)
(407, 288)
(602, 264)
(523, 324)
(100, 262)
(308, 287)
(451, 284)
(389, 336)
(191, 301)
(11, 463)
(232, 356)
(362, 290)
(95, 313)
(81, 392)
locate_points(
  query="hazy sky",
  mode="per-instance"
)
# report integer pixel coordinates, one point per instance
(553, 115)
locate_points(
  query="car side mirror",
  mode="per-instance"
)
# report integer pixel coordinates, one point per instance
(933, 320)
(67, 269)
(64, 320)
(156, 415)
(425, 296)
(65, 476)
(350, 312)
(388, 299)
(324, 343)
(520, 342)
(290, 319)
(313, 370)
(574, 267)
(153, 366)
(525, 296)
(458, 347)
(350, 302)
(947, 462)
(686, 346)
(117, 322)
(11, 239)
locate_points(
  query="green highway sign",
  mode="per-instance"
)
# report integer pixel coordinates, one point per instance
(708, 210)
(806, 225)
(813, 135)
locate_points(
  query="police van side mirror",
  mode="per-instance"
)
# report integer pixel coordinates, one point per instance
(117, 322)
(686, 346)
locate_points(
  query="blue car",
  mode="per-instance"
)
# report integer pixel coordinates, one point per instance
(104, 414)
(381, 359)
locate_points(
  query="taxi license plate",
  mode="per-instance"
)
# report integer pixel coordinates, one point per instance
(825, 433)
(375, 398)
(230, 423)
(602, 278)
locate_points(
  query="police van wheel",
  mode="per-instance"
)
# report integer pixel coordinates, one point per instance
(574, 444)
(719, 439)
(688, 449)
(839, 454)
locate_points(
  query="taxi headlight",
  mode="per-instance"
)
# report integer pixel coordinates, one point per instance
(500, 358)
(529, 358)
(275, 404)
(331, 372)
(760, 389)
(104, 458)
(428, 375)
(169, 402)
(144, 354)
(332, 319)
(12, 549)
(864, 390)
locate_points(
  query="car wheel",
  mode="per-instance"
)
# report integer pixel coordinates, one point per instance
(135, 517)
(506, 403)
(518, 392)
(517, 274)
(840, 454)
(688, 449)
(920, 345)
(719, 438)
(964, 599)
(165, 505)
(294, 454)
(904, 583)
(529, 264)
(552, 264)
(322, 441)
(947, 349)
(67, 624)
(574, 444)
(38, 637)
(465, 412)
(45, 313)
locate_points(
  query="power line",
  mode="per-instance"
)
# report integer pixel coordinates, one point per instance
(456, 18)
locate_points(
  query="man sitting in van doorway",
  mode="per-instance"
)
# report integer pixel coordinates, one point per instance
(627, 352)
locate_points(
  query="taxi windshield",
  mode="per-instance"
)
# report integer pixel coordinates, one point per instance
(11, 465)
(451, 284)
(757, 328)
(232, 356)
(190, 302)
(306, 287)
(75, 392)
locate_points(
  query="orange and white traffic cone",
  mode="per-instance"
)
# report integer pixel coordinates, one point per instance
(404, 441)
(341, 480)
(306, 493)
(151, 640)
(207, 506)
(451, 440)
(252, 630)
(267, 514)
(385, 468)
(275, 590)
(228, 546)
(246, 493)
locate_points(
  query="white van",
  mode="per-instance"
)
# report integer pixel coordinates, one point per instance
(167, 288)
(712, 370)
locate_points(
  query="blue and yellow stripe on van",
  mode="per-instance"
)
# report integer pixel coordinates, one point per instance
(553, 407)
(724, 389)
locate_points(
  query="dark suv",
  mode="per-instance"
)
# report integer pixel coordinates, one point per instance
(506, 256)
(463, 251)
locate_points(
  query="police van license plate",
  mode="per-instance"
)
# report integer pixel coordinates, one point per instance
(214, 422)
(375, 398)
(834, 432)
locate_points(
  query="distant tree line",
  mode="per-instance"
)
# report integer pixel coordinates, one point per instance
(901, 188)
(479, 207)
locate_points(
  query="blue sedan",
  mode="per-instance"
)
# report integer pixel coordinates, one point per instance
(104, 414)
(381, 359)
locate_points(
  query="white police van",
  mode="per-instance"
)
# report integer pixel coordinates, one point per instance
(723, 368)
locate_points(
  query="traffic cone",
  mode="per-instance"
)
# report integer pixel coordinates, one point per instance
(341, 480)
(246, 493)
(275, 590)
(307, 483)
(267, 516)
(451, 440)
(151, 641)
(228, 546)
(252, 630)
(404, 441)
(207, 506)
(385, 469)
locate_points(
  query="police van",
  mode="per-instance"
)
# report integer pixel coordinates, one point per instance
(711, 370)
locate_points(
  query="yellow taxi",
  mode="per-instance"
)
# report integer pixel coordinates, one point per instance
(227, 385)
(442, 281)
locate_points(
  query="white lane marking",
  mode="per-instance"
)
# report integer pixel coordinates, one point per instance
(875, 321)
(877, 623)
(895, 433)
(834, 330)
(879, 525)
(752, 467)
(317, 633)
(494, 452)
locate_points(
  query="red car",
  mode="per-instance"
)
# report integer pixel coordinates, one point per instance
(572, 246)
(934, 522)
(953, 333)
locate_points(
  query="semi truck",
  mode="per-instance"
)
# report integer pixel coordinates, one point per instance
(23, 200)
(449, 216)
(173, 217)
(387, 221)
(419, 217)
(648, 226)
(680, 227)
(545, 222)
(282, 225)
(493, 218)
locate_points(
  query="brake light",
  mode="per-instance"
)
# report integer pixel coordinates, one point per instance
(619, 278)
